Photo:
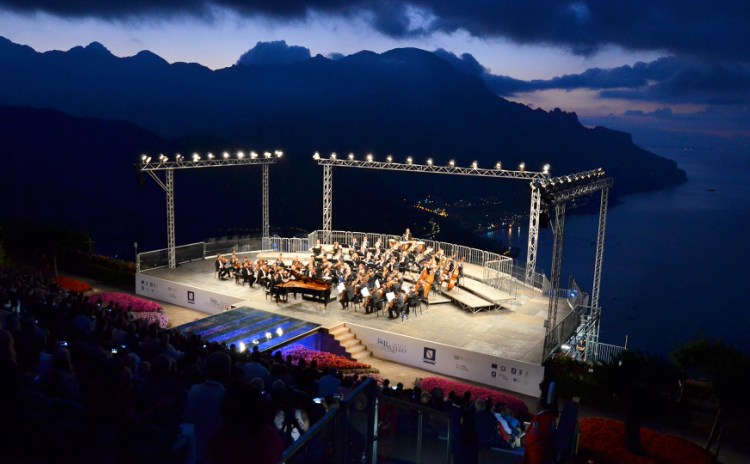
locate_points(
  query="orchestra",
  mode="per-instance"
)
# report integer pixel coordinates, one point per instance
(371, 276)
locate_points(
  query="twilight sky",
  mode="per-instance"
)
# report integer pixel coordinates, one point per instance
(671, 72)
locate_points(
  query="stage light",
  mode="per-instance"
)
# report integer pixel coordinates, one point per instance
(279, 153)
(240, 155)
(498, 165)
(267, 154)
(144, 158)
(210, 156)
(408, 160)
(196, 157)
(225, 155)
(333, 155)
(522, 166)
(256, 342)
(389, 158)
(242, 347)
(351, 156)
(163, 158)
(253, 155)
(429, 161)
(565, 347)
(545, 169)
(369, 157)
(316, 156)
(269, 335)
(474, 165)
(451, 163)
(178, 158)
(279, 332)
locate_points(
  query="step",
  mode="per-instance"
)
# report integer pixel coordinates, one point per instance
(361, 355)
(338, 330)
(356, 349)
(350, 343)
(342, 337)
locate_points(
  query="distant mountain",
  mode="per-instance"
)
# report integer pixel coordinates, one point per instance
(402, 102)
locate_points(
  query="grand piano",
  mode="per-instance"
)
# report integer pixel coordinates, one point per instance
(314, 289)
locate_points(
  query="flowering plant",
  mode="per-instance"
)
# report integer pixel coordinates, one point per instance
(72, 285)
(123, 301)
(153, 318)
(325, 360)
(515, 404)
(603, 441)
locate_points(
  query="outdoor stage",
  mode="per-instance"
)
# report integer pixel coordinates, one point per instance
(513, 332)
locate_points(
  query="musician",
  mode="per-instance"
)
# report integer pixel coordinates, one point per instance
(363, 248)
(336, 251)
(347, 296)
(279, 293)
(374, 302)
(263, 278)
(223, 268)
(248, 275)
(353, 245)
(407, 236)
(396, 306)
(279, 261)
(317, 249)
(217, 265)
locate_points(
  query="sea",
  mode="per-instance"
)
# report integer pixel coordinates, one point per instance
(675, 260)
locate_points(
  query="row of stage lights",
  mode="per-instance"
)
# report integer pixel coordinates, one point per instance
(279, 332)
(409, 160)
(571, 180)
(145, 159)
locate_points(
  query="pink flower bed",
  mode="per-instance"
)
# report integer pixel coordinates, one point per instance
(153, 318)
(324, 359)
(123, 301)
(515, 404)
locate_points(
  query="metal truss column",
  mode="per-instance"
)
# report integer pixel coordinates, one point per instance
(327, 203)
(169, 189)
(266, 209)
(592, 335)
(557, 249)
(534, 212)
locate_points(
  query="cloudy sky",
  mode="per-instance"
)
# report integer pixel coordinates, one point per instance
(668, 71)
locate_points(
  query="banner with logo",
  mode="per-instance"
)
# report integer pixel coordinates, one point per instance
(508, 374)
(183, 295)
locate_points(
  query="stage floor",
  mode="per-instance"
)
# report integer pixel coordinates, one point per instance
(514, 332)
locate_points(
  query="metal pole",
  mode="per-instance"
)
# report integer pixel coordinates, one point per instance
(593, 334)
(169, 188)
(266, 222)
(534, 211)
(557, 249)
(327, 202)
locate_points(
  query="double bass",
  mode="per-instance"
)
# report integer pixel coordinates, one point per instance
(455, 275)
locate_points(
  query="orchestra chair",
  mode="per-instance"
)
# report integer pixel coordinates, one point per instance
(356, 302)
(405, 312)
(414, 305)
(380, 309)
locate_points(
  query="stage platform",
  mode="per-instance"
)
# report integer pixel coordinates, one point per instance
(516, 331)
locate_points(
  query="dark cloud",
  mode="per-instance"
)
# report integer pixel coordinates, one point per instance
(661, 113)
(274, 53)
(717, 29)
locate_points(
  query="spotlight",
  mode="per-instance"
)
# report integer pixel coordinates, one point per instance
(225, 155)
(429, 161)
(143, 158)
(269, 335)
(256, 342)
(210, 156)
(316, 156)
(498, 165)
(351, 156)
(267, 154)
(242, 347)
(389, 158)
(279, 332)
(474, 165)
(451, 163)
(408, 160)
(333, 155)
(240, 155)
(522, 166)
(545, 169)
(279, 153)
(369, 157)
(253, 155)
(196, 157)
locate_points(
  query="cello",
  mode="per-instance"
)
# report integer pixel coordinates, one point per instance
(455, 275)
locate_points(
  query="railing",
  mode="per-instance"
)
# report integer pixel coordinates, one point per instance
(236, 244)
(606, 353)
(160, 258)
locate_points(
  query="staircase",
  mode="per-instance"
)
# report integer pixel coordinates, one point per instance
(346, 338)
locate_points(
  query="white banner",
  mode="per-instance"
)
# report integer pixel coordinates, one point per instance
(508, 374)
(183, 295)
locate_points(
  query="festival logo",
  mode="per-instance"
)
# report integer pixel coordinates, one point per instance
(385, 345)
(429, 356)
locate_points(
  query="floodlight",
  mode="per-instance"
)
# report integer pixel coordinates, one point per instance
(267, 154)
(522, 166)
(253, 155)
(498, 165)
(279, 332)
(474, 165)
(408, 160)
(351, 156)
(210, 156)
(269, 335)
(545, 169)
(429, 161)
(225, 155)
(451, 163)
(369, 157)
(316, 156)
(389, 158)
(240, 155)
(242, 347)
(333, 155)
(279, 153)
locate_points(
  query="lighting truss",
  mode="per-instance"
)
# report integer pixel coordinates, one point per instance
(151, 166)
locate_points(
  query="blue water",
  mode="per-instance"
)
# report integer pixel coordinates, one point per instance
(675, 260)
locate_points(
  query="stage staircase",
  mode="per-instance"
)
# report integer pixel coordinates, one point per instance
(346, 338)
